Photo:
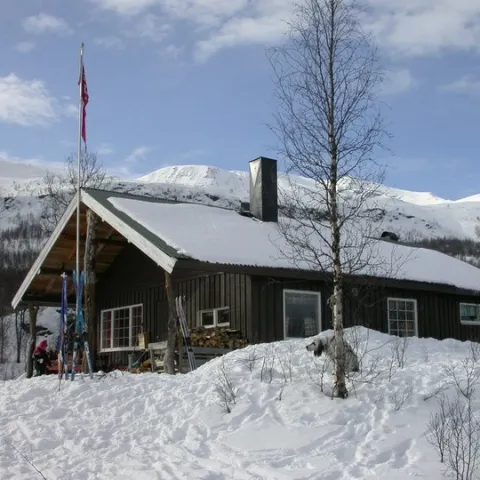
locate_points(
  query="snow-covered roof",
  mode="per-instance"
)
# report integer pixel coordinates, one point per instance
(217, 235)
(168, 232)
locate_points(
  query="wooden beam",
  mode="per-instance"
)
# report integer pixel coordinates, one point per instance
(50, 284)
(90, 285)
(32, 313)
(97, 241)
(291, 273)
(57, 271)
(102, 246)
(47, 300)
(169, 360)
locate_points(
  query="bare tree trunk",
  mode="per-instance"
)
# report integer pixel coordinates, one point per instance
(4, 336)
(329, 126)
(19, 331)
(169, 360)
(90, 284)
(32, 311)
(340, 389)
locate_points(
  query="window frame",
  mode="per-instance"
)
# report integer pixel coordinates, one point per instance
(132, 341)
(415, 311)
(318, 294)
(215, 317)
(469, 322)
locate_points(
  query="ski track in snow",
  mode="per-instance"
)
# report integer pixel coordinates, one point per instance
(149, 426)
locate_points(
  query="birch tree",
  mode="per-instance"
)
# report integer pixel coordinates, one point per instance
(329, 126)
(60, 188)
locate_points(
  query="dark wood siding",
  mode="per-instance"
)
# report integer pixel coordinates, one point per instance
(134, 279)
(267, 306)
(216, 290)
(438, 314)
(256, 302)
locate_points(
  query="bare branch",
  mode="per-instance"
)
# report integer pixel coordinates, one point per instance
(329, 127)
(59, 189)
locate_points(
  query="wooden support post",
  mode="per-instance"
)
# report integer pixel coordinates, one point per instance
(169, 359)
(32, 312)
(90, 283)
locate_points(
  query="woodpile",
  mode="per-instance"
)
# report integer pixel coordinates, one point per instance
(220, 337)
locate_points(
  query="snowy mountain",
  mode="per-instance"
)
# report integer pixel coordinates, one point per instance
(16, 176)
(413, 215)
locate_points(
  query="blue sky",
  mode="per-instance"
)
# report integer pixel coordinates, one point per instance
(188, 82)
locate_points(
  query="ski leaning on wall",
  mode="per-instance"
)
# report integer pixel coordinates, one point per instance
(81, 334)
(63, 331)
(185, 332)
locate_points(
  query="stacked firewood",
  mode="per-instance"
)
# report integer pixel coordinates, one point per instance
(220, 337)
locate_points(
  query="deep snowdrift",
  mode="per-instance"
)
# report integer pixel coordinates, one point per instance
(123, 426)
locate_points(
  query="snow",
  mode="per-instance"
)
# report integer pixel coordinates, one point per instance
(223, 236)
(147, 426)
(413, 215)
(47, 319)
(17, 175)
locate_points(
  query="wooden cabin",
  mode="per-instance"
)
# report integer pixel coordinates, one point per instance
(227, 265)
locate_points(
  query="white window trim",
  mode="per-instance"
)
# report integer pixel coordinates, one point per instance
(309, 292)
(468, 322)
(215, 317)
(415, 310)
(130, 328)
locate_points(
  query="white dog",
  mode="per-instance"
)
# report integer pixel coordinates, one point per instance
(327, 344)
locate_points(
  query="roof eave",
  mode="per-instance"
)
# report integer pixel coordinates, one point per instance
(162, 259)
(148, 248)
(36, 267)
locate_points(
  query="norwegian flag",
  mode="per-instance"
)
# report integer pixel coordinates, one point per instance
(82, 82)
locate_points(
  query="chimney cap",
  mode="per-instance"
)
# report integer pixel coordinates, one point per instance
(261, 157)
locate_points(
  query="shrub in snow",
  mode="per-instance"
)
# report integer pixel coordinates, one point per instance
(226, 392)
(454, 431)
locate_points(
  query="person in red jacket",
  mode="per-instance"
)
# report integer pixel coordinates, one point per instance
(40, 358)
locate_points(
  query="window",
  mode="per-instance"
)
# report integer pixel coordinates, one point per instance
(301, 313)
(402, 317)
(119, 327)
(469, 313)
(216, 317)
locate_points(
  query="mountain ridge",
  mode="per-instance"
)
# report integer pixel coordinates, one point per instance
(413, 215)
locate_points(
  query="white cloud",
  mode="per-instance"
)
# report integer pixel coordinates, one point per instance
(398, 81)
(409, 27)
(242, 31)
(70, 110)
(45, 23)
(468, 84)
(137, 154)
(24, 47)
(150, 27)
(25, 102)
(125, 7)
(426, 27)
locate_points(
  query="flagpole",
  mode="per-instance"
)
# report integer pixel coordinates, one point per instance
(79, 153)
